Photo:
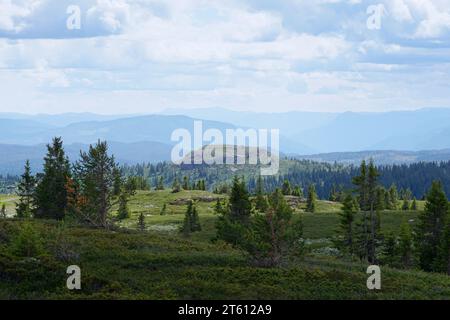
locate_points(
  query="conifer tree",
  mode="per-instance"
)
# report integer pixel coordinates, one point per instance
(240, 205)
(176, 185)
(186, 185)
(3, 211)
(312, 199)
(160, 184)
(414, 206)
(50, 196)
(347, 219)
(191, 220)
(298, 192)
(286, 189)
(163, 211)
(141, 222)
(405, 205)
(261, 200)
(25, 191)
(430, 227)
(95, 173)
(443, 259)
(123, 212)
(406, 245)
(393, 197)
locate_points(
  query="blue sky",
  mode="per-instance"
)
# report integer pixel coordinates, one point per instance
(143, 56)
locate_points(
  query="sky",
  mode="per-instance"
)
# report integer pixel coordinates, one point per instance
(144, 56)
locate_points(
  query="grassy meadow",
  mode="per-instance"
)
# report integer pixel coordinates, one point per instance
(160, 263)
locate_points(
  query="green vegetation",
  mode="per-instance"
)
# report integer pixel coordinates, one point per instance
(185, 242)
(161, 263)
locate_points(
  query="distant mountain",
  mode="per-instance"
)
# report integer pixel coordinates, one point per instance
(13, 157)
(60, 120)
(416, 130)
(381, 157)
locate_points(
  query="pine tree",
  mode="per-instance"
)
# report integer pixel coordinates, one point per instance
(176, 186)
(312, 199)
(286, 189)
(191, 220)
(393, 197)
(160, 184)
(347, 218)
(414, 206)
(240, 205)
(261, 201)
(431, 226)
(186, 185)
(141, 222)
(3, 211)
(405, 245)
(405, 205)
(95, 173)
(298, 192)
(123, 212)
(25, 191)
(163, 211)
(50, 196)
(361, 187)
(443, 260)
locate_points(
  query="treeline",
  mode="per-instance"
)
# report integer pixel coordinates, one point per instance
(413, 179)
(427, 245)
(85, 190)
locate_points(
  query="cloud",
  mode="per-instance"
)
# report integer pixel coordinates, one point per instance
(251, 53)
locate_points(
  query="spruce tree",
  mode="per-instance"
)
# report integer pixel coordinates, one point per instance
(414, 206)
(50, 197)
(163, 211)
(123, 212)
(261, 201)
(286, 189)
(442, 263)
(311, 202)
(393, 197)
(405, 245)
(3, 211)
(186, 185)
(240, 205)
(405, 205)
(347, 219)
(95, 173)
(191, 220)
(298, 192)
(25, 191)
(141, 222)
(430, 227)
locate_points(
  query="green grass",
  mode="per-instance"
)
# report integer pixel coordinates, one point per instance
(162, 264)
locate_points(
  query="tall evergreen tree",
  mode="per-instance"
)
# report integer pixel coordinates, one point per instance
(347, 219)
(50, 197)
(406, 245)
(3, 211)
(95, 173)
(286, 189)
(431, 226)
(414, 206)
(25, 191)
(443, 259)
(261, 200)
(240, 205)
(141, 222)
(393, 197)
(311, 202)
(191, 220)
(123, 211)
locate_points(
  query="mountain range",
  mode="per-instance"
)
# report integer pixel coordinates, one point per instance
(397, 137)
